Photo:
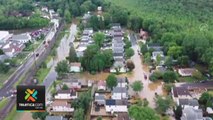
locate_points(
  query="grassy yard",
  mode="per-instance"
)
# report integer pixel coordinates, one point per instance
(187, 79)
(3, 102)
(42, 73)
(13, 115)
(4, 77)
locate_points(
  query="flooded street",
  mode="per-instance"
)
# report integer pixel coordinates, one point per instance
(149, 88)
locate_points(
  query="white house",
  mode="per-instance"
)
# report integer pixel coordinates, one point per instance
(119, 93)
(101, 85)
(189, 113)
(188, 103)
(4, 36)
(186, 71)
(61, 106)
(100, 99)
(66, 94)
(12, 48)
(155, 54)
(116, 106)
(75, 67)
(22, 38)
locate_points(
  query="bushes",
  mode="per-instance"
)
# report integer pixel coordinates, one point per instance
(169, 77)
(156, 76)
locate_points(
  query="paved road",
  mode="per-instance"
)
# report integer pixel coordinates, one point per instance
(148, 91)
(62, 53)
(27, 69)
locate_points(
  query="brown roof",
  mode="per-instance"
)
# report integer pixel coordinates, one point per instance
(71, 92)
(123, 116)
(61, 103)
(76, 64)
(180, 91)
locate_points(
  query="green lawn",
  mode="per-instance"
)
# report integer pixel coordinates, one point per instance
(13, 115)
(187, 79)
(3, 102)
(4, 77)
(42, 73)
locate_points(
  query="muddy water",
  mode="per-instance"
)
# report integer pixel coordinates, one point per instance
(149, 89)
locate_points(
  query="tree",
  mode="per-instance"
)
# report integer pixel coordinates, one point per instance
(147, 58)
(168, 87)
(211, 67)
(143, 102)
(168, 62)
(67, 16)
(62, 67)
(129, 53)
(206, 99)
(39, 115)
(137, 86)
(99, 118)
(1, 52)
(144, 49)
(197, 75)
(183, 60)
(65, 87)
(175, 51)
(79, 114)
(169, 76)
(163, 104)
(72, 55)
(135, 23)
(111, 81)
(99, 38)
(4, 68)
(142, 113)
(178, 112)
(130, 65)
(82, 101)
(156, 76)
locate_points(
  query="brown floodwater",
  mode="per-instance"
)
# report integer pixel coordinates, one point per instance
(149, 87)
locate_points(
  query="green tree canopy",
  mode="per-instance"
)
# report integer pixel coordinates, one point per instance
(99, 38)
(62, 67)
(137, 86)
(1, 52)
(129, 52)
(39, 115)
(163, 104)
(111, 81)
(169, 77)
(72, 55)
(142, 113)
(79, 114)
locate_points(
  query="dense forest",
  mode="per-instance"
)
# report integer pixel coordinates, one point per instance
(17, 14)
(183, 26)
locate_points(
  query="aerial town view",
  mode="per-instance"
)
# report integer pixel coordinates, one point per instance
(106, 59)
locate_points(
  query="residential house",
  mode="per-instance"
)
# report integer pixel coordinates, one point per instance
(116, 105)
(119, 93)
(61, 107)
(186, 71)
(86, 17)
(11, 49)
(66, 94)
(55, 118)
(4, 36)
(99, 99)
(73, 83)
(75, 67)
(190, 113)
(188, 103)
(101, 85)
(154, 47)
(180, 93)
(22, 38)
(118, 49)
(122, 82)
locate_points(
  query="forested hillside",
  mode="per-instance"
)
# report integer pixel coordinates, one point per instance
(185, 24)
(16, 14)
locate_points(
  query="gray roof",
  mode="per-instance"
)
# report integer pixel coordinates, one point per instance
(3, 57)
(118, 54)
(55, 118)
(99, 97)
(180, 91)
(20, 37)
(190, 102)
(119, 90)
(121, 80)
(189, 113)
(116, 102)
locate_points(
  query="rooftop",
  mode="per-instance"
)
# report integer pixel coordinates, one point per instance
(119, 90)
(180, 91)
(190, 102)
(55, 118)
(116, 102)
(61, 103)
